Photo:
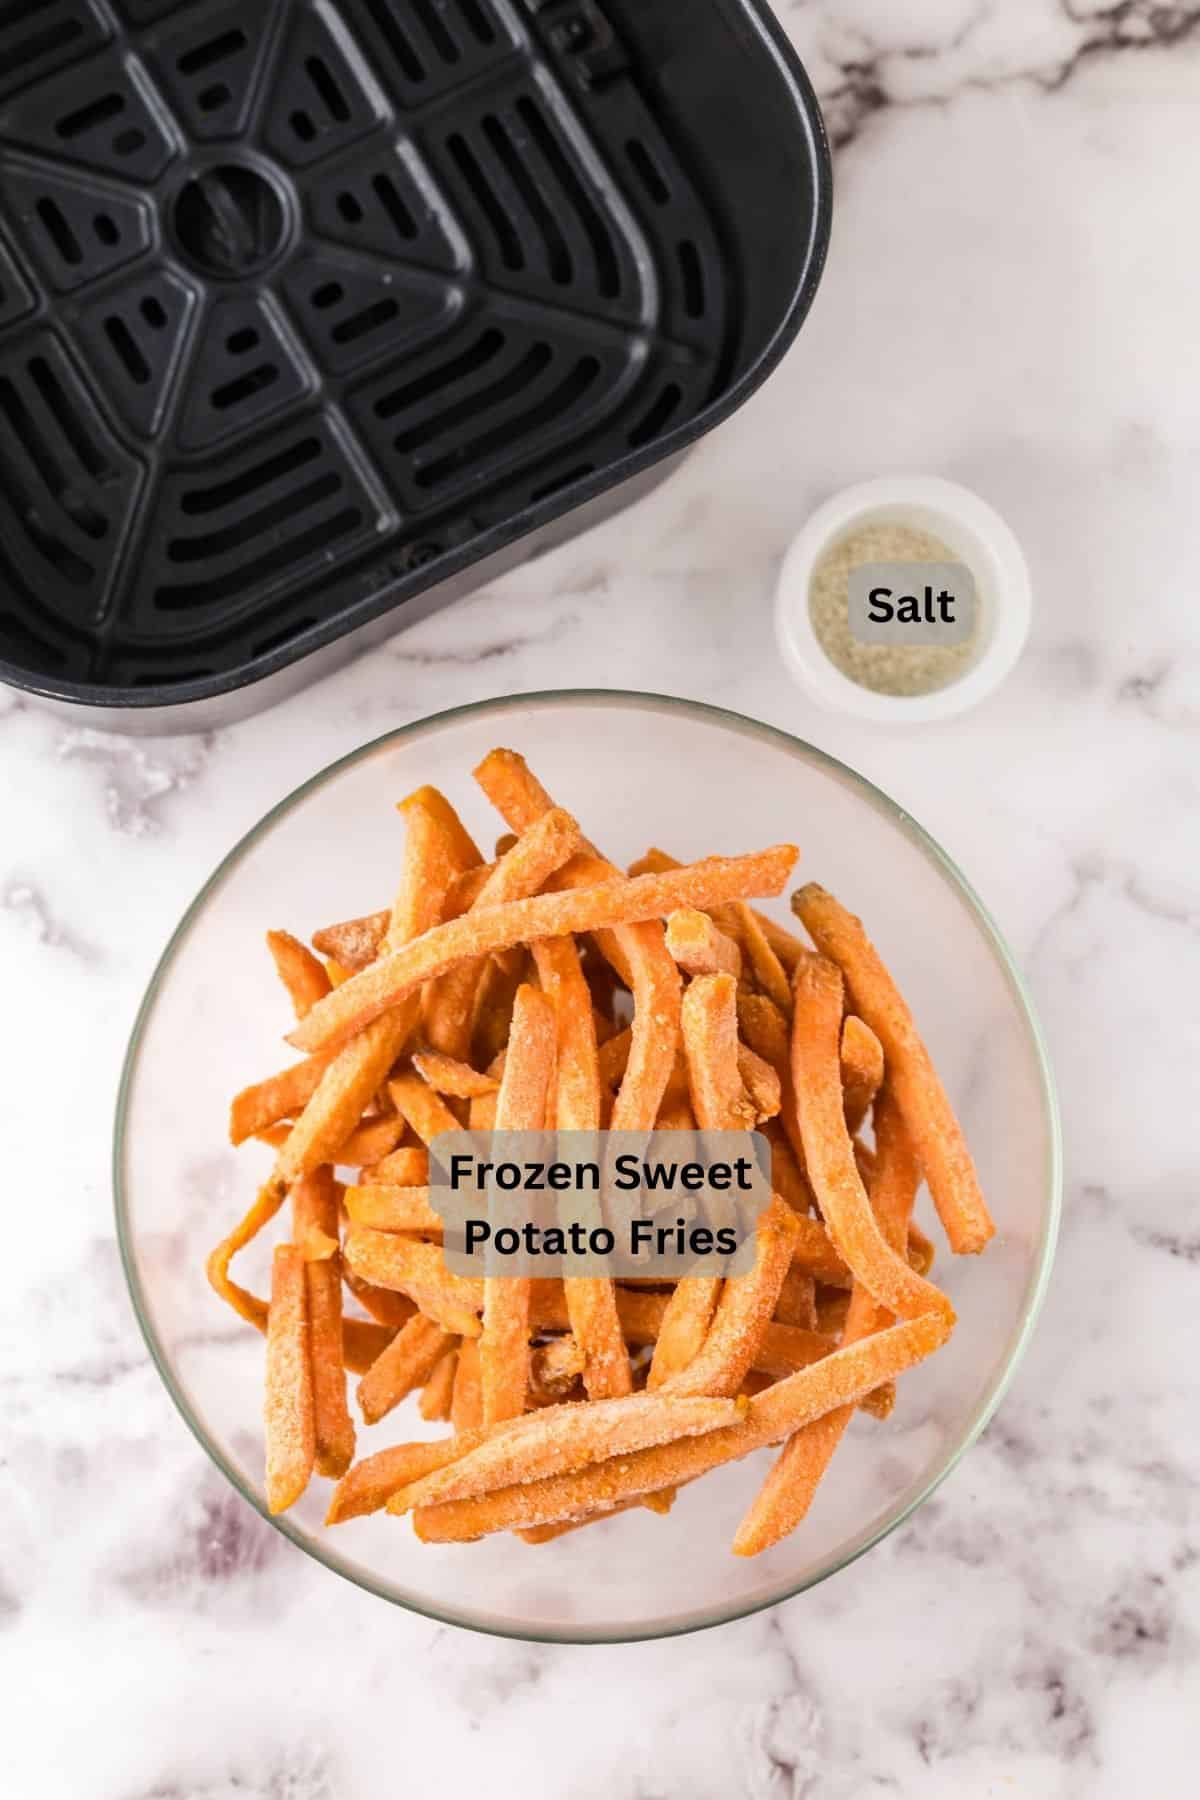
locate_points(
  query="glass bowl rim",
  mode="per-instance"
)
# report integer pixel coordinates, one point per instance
(704, 1618)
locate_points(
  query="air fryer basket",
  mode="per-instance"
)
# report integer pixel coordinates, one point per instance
(316, 313)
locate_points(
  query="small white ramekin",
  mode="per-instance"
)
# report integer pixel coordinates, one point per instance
(975, 533)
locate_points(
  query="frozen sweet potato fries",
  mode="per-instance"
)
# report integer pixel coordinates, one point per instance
(548, 989)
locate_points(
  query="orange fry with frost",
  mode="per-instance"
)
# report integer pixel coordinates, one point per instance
(710, 1044)
(466, 1404)
(291, 1443)
(353, 942)
(315, 1218)
(701, 947)
(383, 1306)
(437, 1395)
(393, 1209)
(554, 1370)
(816, 1077)
(769, 972)
(447, 1075)
(764, 1090)
(591, 1301)
(370, 1484)
(370, 1141)
(504, 1344)
(935, 1132)
(302, 974)
(407, 1363)
(862, 1071)
(280, 1096)
(744, 1312)
(406, 1167)
(424, 1110)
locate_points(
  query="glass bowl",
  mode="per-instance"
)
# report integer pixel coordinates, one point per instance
(637, 770)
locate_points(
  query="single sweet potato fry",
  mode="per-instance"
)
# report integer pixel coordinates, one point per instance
(769, 972)
(457, 1080)
(936, 1134)
(290, 1427)
(701, 947)
(591, 1301)
(764, 1090)
(766, 1032)
(302, 974)
(266, 1204)
(838, 1379)
(370, 1141)
(920, 1249)
(554, 1371)
(764, 1028)
(797, 1302)
(354, 942)
(315, 1216)
(787, 1177)
(816, 1255)
(438, 1393)
(363, 1342)
(719, 1102)
(368, 1486)
(280, 1096)
(407, 1363)
(393, 1209)
(424, 1110)
(482, 1114)
(406, 1167)
(442, 849)
(466, 1405)
(816, 1078)
(862, 1071)
(386, 1305)
(504, 1345)
(743, 1312)
(344, 1092)
(710, 1042)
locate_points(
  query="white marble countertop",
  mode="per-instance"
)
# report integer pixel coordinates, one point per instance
(1010, 301)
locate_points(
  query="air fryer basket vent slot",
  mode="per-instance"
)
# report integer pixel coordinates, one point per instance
(298, 299)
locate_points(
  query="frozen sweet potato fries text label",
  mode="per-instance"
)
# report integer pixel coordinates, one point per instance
(614, 1204)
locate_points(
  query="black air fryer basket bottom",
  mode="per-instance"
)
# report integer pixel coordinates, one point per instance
(301, 301)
